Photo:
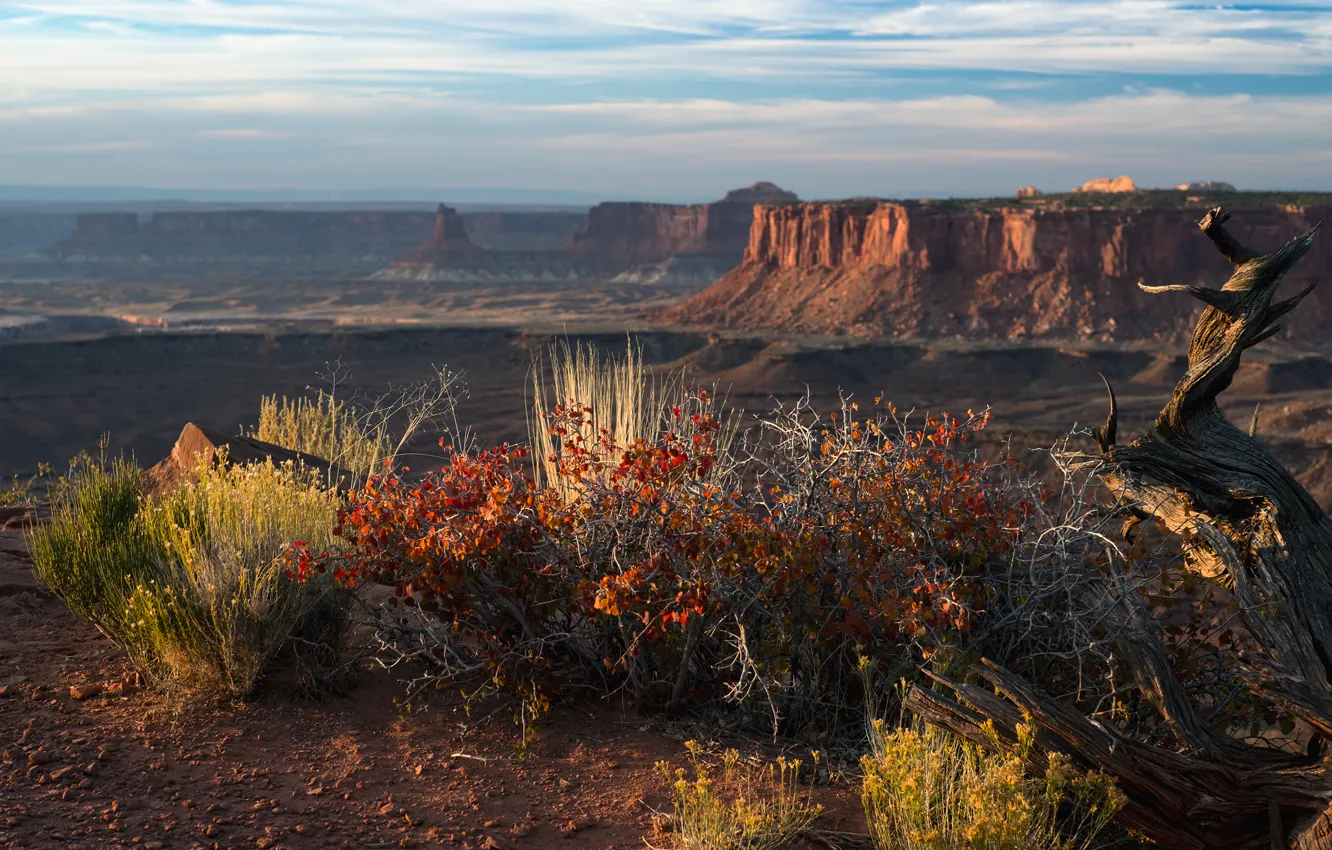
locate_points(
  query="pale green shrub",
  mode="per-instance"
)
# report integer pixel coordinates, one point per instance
(94, 552)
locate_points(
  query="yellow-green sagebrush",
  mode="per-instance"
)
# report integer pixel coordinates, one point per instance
(191, 583)
(741, 807)
(926, 789)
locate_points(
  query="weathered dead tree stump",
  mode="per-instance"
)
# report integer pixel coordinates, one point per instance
(1248, 524)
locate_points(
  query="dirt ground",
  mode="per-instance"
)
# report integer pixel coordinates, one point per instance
(124, 769)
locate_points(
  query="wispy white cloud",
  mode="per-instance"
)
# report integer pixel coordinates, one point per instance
(970, 128)
(112, 27)
(155, 43)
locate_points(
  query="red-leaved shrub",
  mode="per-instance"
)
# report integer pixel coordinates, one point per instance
(688, 570)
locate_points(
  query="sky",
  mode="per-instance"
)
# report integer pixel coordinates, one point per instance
(664, 99)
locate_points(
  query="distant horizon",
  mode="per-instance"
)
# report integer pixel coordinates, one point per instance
(478, 196)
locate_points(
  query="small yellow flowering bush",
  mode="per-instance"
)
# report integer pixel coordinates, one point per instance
(926, 789)
(744, 807)
(191, 584)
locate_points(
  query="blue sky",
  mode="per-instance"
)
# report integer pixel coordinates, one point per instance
(669, 99)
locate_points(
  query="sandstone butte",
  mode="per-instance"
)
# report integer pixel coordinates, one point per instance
(448, 242)
(1107, 184)
(890, 270)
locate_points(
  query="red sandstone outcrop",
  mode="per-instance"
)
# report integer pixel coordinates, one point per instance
(888, 270)
(1027, 192)
(1107, 184)
(195, 444)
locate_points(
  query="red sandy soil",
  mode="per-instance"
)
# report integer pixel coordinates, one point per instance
(130, 770)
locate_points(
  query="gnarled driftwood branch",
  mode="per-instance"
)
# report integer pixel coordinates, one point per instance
(1255, 527)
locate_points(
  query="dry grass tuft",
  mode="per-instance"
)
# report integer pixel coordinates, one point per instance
(325, 427)
(623, 402)
(622, 398)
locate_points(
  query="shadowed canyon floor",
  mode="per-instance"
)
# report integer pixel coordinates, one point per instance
(238, 300)
(58, 396)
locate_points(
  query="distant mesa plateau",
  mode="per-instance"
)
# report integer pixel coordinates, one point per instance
(1039, 267)
(1034, 266)
(628, 241)
(344, 239)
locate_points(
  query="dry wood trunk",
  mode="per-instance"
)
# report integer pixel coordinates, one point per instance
(1252, 526)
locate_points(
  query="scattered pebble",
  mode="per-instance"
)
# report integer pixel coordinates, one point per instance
(85, 691)
(60, 773)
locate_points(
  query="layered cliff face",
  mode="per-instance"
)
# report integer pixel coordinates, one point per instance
(523, 231)
(630, 233)
(878, 269)
(23, 234)
(360, 237)
(247, 236)
(629, 242)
